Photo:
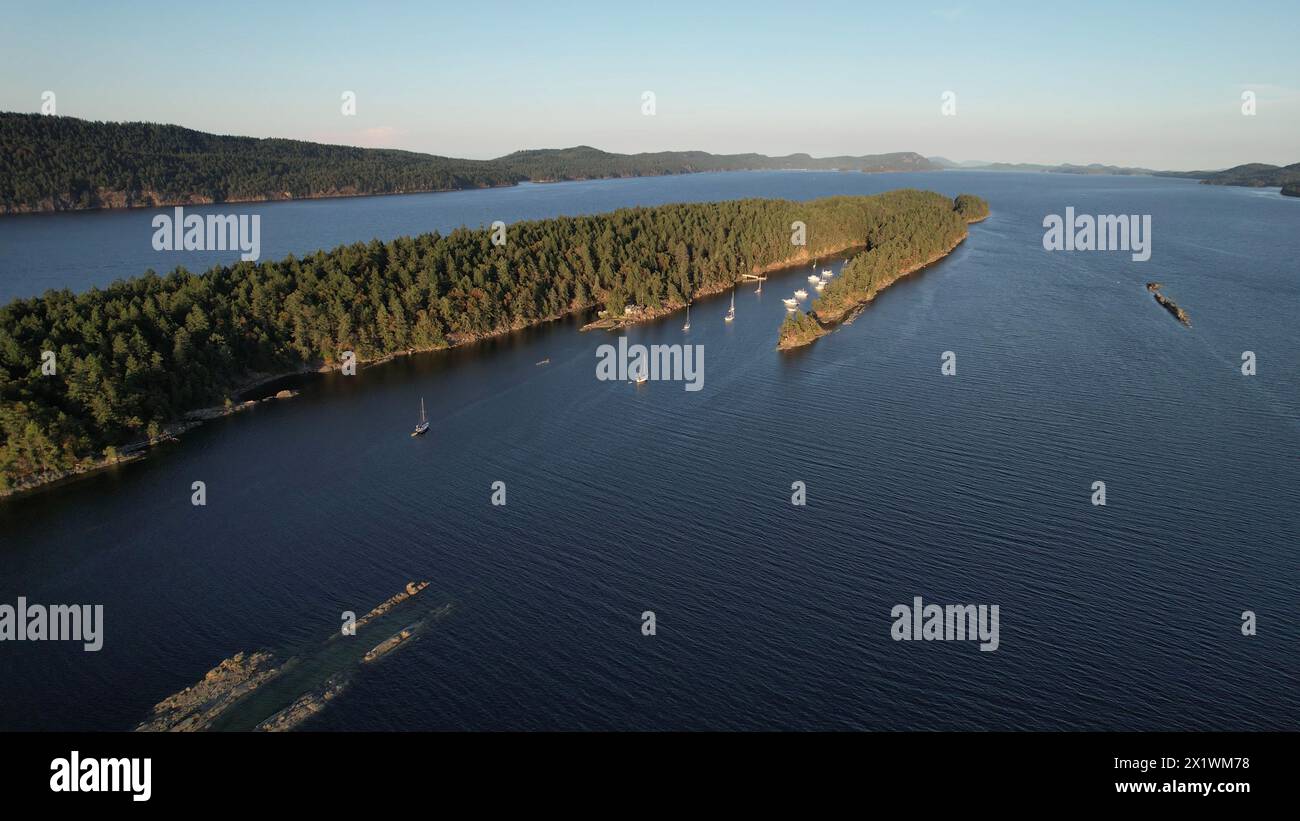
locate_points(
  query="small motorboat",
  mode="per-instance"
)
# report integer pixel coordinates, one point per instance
(791, 303)
(814, 279)
(801, 294)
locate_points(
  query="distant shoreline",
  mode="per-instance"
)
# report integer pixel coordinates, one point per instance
(15, 211)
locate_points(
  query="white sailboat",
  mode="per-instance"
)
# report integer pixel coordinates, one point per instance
(687, 326)
(424, 422)
(731, 313)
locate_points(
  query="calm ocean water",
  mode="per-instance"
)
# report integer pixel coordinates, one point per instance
(965, 489)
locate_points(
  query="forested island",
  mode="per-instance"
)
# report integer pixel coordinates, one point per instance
(928, 228)
(1254, 175)
(139, 358)
(53, 163)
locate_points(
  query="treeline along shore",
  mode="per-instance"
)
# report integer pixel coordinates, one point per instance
(53, 163)
(929, 228)
(87, 376)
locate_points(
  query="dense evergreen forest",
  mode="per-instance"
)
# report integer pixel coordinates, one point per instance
(61, 163)
(924, 226)
(139, 354)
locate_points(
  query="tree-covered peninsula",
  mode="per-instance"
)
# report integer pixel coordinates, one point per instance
(927, 228)
(62, 163)
(131, 360)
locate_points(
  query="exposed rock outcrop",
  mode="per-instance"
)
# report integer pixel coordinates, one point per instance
(194, 708)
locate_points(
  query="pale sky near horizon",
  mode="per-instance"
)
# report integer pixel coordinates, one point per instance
(1155, 84)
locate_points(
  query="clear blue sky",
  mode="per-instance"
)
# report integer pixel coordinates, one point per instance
(1156, 84)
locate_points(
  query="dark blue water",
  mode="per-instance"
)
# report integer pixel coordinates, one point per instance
(965, 489)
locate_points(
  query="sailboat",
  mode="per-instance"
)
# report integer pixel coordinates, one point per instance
(687, 326)
(731, 314)
(424, 423)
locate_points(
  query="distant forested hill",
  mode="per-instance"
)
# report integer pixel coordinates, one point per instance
(62, 163)
(584, 162)
(1259, 175)
(1251, 174)
(1068, 168)
(1254, 175)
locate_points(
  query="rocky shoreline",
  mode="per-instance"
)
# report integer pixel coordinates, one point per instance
(642, 315)
(135, 451)
(213, 702)
(307, 705)
(195, 708)
(814, 325)
(171, 432)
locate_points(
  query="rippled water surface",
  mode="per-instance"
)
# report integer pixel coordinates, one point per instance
(621, 499)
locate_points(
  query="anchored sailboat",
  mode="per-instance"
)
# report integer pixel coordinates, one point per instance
(424, 423)
(687, 326)
(731, 313)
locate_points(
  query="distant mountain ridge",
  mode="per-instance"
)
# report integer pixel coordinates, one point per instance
(559, 163)
(50, 163)
(1257, 175)
(62, 163)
